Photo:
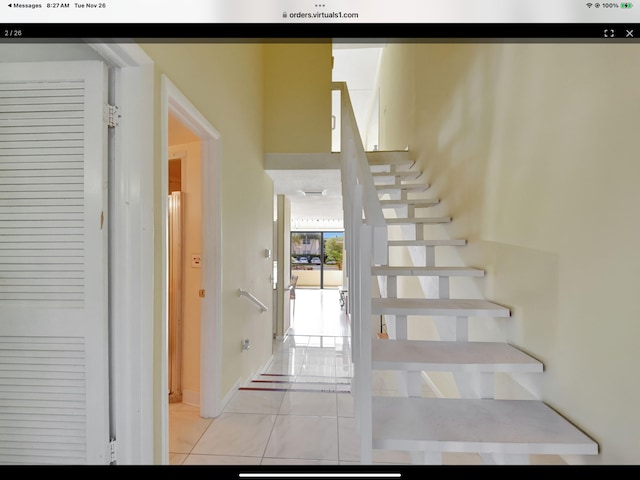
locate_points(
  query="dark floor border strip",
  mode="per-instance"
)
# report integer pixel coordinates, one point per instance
(299, 383)
(271, 381)
(295, 376)
(294, 390)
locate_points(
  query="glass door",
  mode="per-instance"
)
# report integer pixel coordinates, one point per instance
(316, 258)
(333, 248)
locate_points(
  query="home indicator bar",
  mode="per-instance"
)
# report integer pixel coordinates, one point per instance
(320, 475)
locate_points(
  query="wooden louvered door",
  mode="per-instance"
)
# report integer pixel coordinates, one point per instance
(54, 397)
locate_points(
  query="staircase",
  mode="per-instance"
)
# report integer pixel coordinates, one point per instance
(500, 431)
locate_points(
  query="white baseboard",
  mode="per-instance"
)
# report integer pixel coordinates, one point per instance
(230, 394)
(191, 398)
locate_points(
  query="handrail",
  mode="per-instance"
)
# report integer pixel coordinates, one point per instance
(353, 153)
(366, 244)
(252, 297)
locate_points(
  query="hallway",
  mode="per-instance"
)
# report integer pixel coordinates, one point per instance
(304, 389)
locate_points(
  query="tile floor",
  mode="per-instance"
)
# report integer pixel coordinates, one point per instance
(306, 418)
(301, 410)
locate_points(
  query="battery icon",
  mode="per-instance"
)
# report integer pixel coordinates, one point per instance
(626, 5)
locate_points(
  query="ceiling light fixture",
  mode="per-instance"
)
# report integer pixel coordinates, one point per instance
(313, 193)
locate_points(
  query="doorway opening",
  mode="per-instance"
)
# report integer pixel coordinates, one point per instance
(176, 273)
(199, 151)
(184, 227)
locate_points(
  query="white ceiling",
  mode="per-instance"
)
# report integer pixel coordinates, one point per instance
(311, 212)
(357, 65)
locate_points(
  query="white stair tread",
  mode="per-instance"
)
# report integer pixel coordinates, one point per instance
(403, 175)
(437, 306)
(417, 220)
(417, 203)
(517, 427)
(428, 271)
(408, 187)
(417, 355)
(389, 157)
(453, 242)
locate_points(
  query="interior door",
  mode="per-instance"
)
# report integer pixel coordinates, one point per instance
(54, 395)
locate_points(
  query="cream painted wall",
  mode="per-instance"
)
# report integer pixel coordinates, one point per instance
(396, 96)
(224, 81)
(297, 98)
(533, 149)
(192, 236)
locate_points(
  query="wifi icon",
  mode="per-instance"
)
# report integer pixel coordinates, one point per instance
(589, 5)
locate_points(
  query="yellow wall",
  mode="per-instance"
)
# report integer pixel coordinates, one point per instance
(396, 96)
(533, 150)
(191, 188)
(224, 81)
(234, 87)
(297, 102)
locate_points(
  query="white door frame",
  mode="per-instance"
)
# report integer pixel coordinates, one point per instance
(132, 264)
(172, 100)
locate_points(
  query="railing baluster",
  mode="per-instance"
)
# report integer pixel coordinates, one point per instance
(366, 245)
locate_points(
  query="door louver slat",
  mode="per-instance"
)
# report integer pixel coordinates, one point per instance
(24, 177)
(41, 400)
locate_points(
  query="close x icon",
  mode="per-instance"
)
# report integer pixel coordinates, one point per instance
(626, 32)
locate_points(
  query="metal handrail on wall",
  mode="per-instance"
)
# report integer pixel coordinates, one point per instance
(366, 245)
(252, 297)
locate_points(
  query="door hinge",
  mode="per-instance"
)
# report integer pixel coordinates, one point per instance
(112, 448)
(111, 115)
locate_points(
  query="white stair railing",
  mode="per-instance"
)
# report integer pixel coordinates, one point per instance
(365, 245)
